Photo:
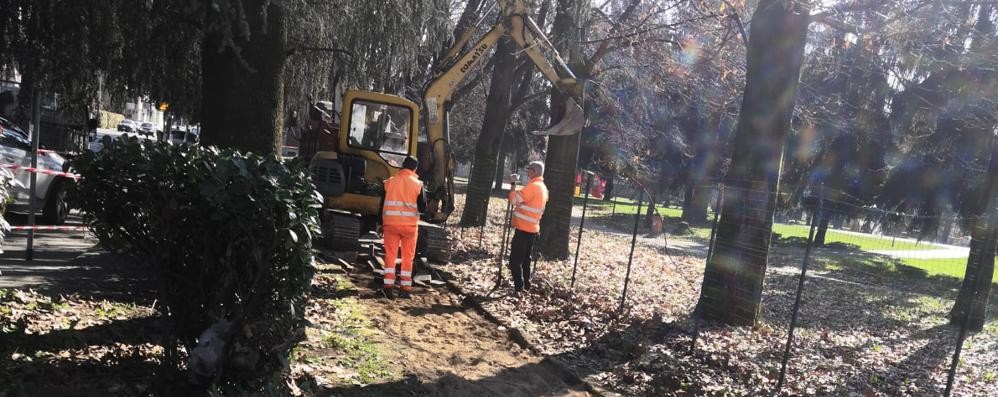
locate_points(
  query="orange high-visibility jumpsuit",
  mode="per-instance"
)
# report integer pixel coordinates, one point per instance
(400, 217)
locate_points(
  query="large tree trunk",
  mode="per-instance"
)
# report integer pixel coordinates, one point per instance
(243, 92)
(695, 205)
(822, 229)
(976, 288)
(494, 124)
(562, 151)
(733, 279)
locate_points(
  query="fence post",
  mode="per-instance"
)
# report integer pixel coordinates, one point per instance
(710, 253)
(971, 305)
(36, 131)
(582, 225)
(630, 257)
(800, 291)
(481, 229)
(717, 215)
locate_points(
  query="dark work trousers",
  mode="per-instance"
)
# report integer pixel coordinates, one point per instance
(519, 258)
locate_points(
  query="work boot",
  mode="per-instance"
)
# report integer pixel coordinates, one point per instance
(526, 285)
(388, 293)
(404, 295)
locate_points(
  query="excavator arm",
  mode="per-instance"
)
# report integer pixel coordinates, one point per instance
(458, 64)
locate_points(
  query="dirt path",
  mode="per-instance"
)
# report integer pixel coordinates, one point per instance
(446, 349)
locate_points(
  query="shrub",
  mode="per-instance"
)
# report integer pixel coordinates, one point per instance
(230, 235)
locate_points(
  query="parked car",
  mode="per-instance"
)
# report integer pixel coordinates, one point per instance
(147, 129)
(50, 191)
(97, 139)
(183, 137)
(127, 125)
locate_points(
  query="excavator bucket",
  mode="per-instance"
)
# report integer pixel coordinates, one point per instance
(571, 123)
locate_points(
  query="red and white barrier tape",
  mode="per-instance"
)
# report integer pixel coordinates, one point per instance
(46, 228)
(40, 171)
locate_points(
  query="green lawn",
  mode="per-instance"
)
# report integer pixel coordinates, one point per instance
(628, 206)
(952, 267)
(867, 242)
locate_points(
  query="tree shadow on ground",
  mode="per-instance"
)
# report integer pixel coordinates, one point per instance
(134, 331)
(97, 275)
(848, 262)
(118, 376)
(114, 358)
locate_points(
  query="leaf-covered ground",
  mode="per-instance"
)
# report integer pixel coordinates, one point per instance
(868, 327)
(865, 328)
(61, 343)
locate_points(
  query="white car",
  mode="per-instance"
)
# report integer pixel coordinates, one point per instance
(50, 190)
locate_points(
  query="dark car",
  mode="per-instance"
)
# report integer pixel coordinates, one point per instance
(127, 125)
(147, 129)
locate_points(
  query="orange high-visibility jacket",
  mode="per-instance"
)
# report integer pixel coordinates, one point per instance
(402, 193)
(528, 205)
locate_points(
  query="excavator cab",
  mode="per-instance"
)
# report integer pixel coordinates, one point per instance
(377, 131)
(381, 128)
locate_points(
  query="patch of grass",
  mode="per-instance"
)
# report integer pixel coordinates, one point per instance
(352, 337)
(865, 242)
(108, 310)
(932, 304)
(948, 267)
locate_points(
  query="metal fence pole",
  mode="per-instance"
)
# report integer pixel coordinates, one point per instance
(800, 292)
(36, 130)
(971, 305)
(630, 257)
(502, 250)
(582, 226)
(481, 229)
(717, 215)
(710, 253)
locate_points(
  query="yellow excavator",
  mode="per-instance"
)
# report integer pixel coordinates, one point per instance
(376, 132)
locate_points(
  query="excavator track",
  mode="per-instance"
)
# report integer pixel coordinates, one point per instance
(340, 231)
(434, 242)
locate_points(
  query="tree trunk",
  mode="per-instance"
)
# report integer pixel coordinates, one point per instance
(943, 236)
(501, 167)
(975, 290)
(243, 92)
(562, 151)
(608, 189)
(822, 230)
(733, 279)
(489, 141)
(695, 207)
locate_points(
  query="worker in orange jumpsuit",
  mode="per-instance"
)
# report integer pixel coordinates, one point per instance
(528, 206)
(404, 201)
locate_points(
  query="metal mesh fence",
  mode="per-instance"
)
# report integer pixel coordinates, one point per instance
(875, 310)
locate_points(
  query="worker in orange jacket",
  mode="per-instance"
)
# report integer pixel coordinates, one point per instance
(528, 206)
(404, 201)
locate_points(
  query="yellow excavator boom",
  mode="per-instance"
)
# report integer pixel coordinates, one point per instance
(459, 64)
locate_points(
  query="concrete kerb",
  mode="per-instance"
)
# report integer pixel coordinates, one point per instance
(525, 341)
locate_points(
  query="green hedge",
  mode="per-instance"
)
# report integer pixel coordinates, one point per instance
(230, 235)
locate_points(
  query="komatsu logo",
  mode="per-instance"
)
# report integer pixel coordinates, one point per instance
(474, 57)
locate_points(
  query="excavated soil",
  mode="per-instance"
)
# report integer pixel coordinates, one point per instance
(447, 349)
